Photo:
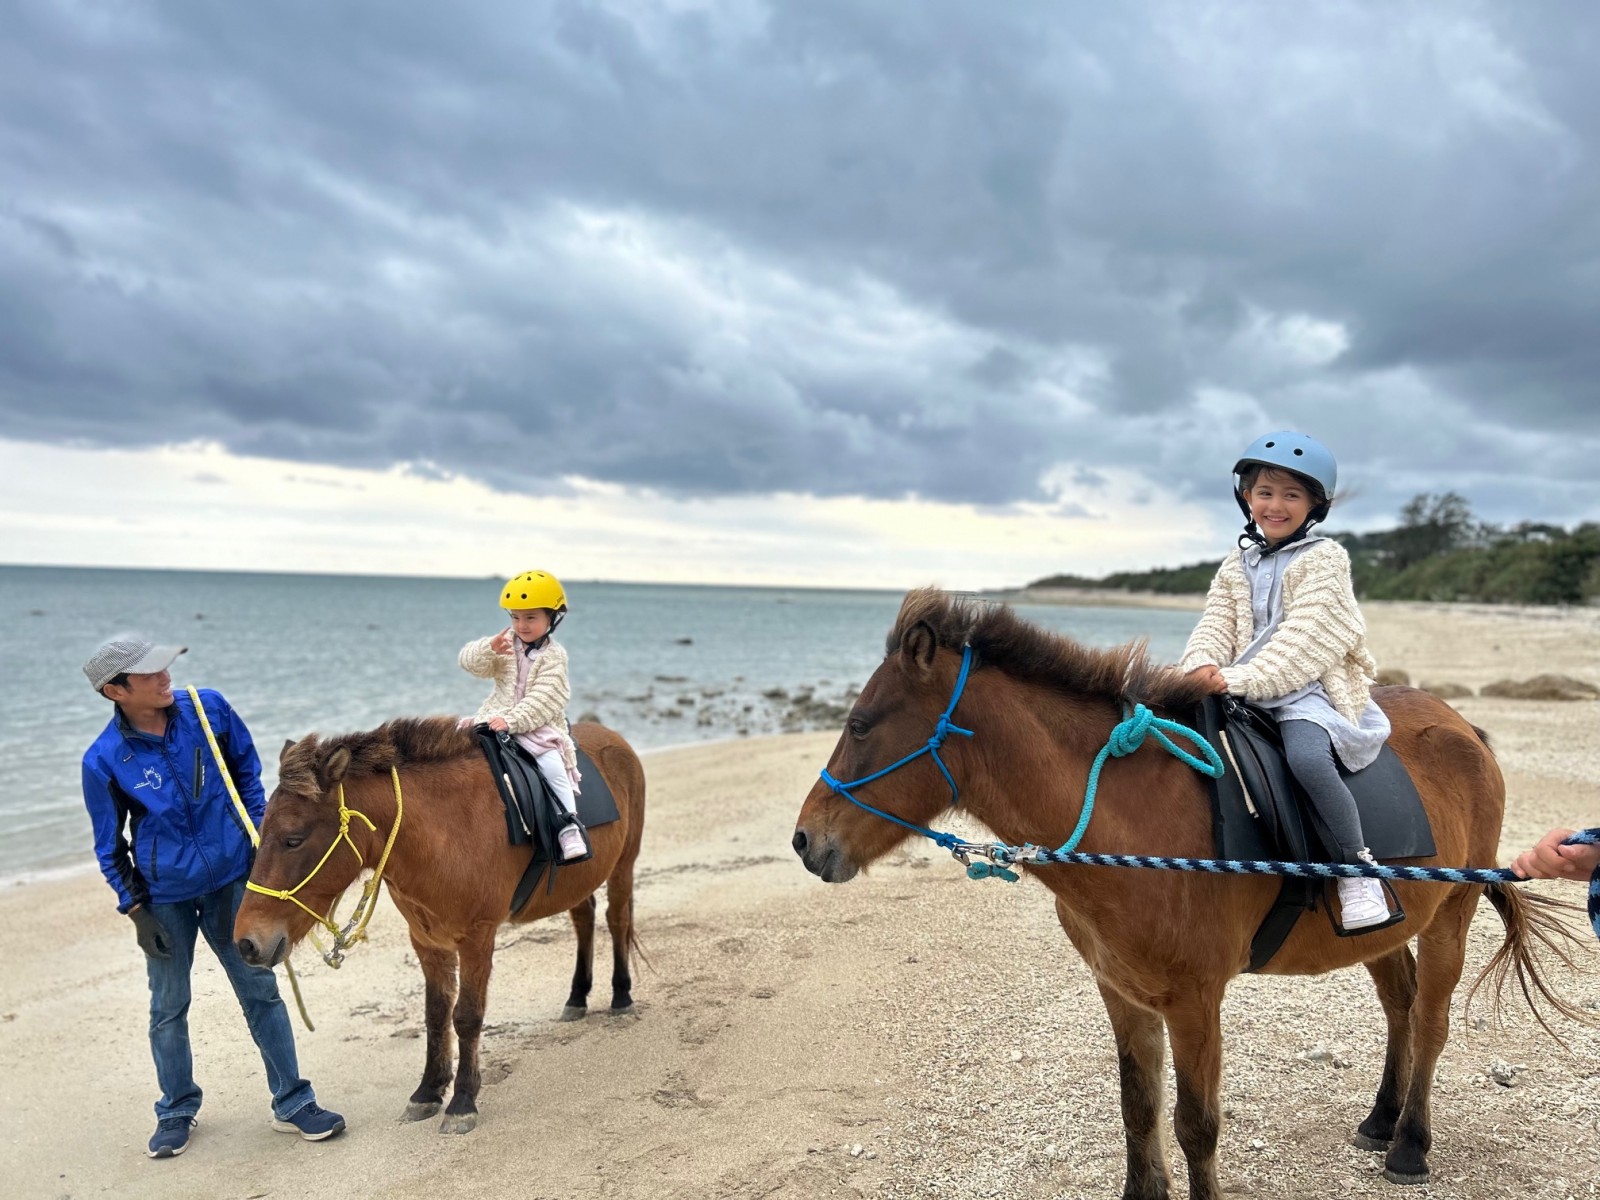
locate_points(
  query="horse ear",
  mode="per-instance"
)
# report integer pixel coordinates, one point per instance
(919, 646)
(336, 765)
(288, 745)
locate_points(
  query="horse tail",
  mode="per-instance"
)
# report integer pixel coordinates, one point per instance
(636, 948)
(1535, 926)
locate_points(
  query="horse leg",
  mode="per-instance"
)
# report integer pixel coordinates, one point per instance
(477, 958)
(619, 920)
(582, 915)
(1441, 953)
(1395, 976)
(1194, 1026)
(439, 977)
(1140, 1063)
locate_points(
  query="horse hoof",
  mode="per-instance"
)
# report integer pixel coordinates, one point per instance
(1362, 1142)
(1404, 1180)
(622, 1010)
(461, 1123)
(573, 1012)
(420, 1111)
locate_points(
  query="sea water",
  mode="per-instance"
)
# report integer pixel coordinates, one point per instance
(663, 664)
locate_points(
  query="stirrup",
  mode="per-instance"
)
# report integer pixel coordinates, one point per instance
(572, 822)
(1396, 912)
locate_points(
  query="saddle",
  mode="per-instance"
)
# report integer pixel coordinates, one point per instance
(534, 816)
(1260, 811)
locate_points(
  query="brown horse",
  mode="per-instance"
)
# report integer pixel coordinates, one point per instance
(1163, 946)
(451, 873)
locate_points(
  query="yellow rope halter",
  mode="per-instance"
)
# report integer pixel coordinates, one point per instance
(355, 930)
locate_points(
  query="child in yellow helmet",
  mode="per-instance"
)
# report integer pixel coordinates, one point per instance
(529, 669)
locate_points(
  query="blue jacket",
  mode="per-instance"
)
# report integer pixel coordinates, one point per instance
(184, 838)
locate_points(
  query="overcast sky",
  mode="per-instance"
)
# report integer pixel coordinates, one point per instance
(800, 291)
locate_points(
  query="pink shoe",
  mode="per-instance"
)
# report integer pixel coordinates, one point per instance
(570, 841)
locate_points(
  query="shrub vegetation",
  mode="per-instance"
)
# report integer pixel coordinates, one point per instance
(1439, 551)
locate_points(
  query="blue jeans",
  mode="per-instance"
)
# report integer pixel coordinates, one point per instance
(256, 987)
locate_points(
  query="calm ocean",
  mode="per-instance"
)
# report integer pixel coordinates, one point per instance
(663, 664)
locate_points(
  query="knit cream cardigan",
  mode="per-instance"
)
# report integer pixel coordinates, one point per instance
(544, 701)
(1321, 637)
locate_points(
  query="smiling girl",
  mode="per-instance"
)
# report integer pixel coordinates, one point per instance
(1281, 629)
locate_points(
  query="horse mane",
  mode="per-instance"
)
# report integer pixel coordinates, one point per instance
(401, 742)
(1000, 638)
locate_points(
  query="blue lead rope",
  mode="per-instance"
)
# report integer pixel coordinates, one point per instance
(1127, 737)
(1003, 857)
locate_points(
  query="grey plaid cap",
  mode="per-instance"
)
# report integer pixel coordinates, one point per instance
(130, 655)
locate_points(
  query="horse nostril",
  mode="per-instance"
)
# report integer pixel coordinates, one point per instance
(801, 842)
(247, 950)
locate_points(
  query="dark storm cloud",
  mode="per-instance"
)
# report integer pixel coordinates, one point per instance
(807, 245)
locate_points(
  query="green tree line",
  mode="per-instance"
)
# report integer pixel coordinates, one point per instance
(1439, 551)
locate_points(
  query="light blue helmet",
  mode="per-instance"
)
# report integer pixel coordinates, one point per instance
(1292, 452)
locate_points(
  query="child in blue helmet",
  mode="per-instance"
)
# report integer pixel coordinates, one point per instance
(1281, 628)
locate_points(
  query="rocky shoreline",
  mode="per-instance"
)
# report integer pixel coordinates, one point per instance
(673, 710)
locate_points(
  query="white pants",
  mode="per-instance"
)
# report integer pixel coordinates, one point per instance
(555, 774)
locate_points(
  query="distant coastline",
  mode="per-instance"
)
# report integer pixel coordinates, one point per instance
(1098, 597)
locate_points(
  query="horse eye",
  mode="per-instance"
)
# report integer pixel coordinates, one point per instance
(858, 727)
(293, 842)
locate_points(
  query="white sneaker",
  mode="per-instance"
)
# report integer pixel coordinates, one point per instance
(1362, 903)
(570, 840)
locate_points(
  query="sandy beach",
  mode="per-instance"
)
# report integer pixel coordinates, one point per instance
(909, 1034)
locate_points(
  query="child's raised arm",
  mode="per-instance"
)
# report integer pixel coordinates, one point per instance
(480, 658)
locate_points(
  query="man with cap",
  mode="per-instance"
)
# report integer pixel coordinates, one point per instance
(176, 851)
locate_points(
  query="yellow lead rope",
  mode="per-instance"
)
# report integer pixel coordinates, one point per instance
(250, 827)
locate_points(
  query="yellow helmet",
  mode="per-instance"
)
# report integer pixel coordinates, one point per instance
(533, 589)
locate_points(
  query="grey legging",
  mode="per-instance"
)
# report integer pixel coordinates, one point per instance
(1311, 757)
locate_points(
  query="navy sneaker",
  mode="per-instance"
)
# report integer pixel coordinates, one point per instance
(171, 1137)
(312, 1122)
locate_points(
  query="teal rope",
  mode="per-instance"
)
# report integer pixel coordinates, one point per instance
(1127, 737)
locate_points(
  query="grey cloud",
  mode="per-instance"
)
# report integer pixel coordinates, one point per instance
(342, 234)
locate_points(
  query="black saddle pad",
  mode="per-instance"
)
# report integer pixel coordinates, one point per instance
(1260, 811)
(533, 814)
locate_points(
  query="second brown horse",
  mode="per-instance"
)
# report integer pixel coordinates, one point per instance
(451, 873)
(1164, 946)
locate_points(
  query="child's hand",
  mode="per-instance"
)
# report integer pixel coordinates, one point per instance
(1210, 675)
(498, 724)
(501, 643)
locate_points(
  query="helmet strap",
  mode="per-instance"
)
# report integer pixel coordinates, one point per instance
(1253, 536)
(555, 619)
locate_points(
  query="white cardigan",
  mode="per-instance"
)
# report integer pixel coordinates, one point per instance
(544, 700)
(1322, 636)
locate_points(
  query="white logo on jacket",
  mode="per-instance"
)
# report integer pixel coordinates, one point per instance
(152, 780)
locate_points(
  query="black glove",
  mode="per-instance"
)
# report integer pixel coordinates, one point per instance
(153, 939)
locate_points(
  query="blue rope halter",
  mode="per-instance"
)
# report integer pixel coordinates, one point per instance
(1127, 737)
(941, 730)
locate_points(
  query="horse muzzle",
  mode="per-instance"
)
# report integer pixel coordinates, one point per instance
(263, 953)
(823, 858)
